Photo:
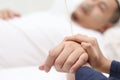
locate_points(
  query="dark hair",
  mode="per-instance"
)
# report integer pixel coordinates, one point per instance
(116, 15)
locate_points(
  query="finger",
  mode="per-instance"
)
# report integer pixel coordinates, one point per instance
(62, 58)
(41, 67)
(81, 61)
(11, 14)
(78, 38)
(52, 57)
(89, 48)
(5, 15)
(1, 16)
(91, 51)
(17, 14)
(72, 59)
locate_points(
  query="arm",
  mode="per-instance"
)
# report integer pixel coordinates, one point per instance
(115, 70)
(87, 73)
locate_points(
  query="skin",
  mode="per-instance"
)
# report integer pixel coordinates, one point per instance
(97, 16)
(7, 14)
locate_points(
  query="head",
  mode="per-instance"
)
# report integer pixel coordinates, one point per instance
(97, 14)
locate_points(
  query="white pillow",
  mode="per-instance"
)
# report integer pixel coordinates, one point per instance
(112, 43)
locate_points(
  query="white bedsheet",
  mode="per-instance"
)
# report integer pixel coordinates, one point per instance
(30, 73)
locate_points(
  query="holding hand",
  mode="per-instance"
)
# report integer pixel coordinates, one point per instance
(96, 58)
(74, 52)
(66, 57)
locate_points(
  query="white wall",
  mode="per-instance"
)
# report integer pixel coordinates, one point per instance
(26, 6)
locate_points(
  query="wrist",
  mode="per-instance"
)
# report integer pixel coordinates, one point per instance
(105, 65)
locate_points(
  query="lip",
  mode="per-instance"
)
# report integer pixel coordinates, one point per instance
(84, 9)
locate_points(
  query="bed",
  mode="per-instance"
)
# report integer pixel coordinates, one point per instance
(30, 73)
(19, 58)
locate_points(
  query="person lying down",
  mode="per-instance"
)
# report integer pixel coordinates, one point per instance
(63, 56)
(26, 41)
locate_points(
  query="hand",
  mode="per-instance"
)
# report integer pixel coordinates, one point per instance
(8, 14)
(66, 57)
(96, 58)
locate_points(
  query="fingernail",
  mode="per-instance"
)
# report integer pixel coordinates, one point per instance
(46, 69)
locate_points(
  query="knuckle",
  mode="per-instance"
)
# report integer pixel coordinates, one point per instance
(52, 54)
(69, 62)
(58, 63)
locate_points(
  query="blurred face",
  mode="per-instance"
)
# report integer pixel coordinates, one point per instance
(95, 14)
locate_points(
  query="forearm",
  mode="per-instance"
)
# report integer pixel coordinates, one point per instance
(87, 73)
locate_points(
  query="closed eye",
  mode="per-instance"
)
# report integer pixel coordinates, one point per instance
(103, 6)
(103, 9)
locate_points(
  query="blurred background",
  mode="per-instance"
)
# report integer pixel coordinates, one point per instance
(26, 6)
